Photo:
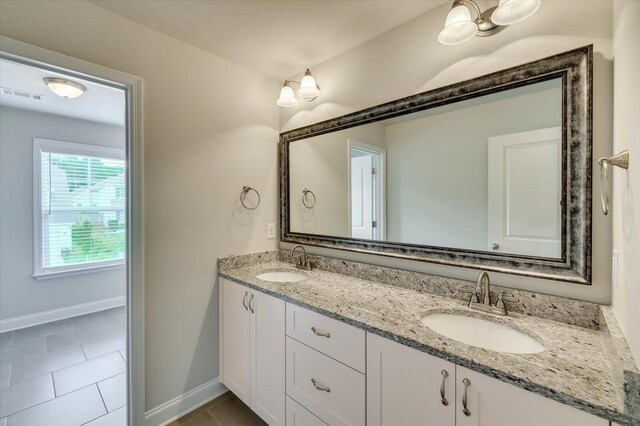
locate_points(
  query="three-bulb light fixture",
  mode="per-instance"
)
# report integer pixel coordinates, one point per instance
(309, 90)
(459, 27)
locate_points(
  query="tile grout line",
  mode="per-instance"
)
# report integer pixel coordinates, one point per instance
(102, 398)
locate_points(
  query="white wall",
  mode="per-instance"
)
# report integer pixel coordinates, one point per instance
(626, 184)
(437, 166)
(320, 164)
(409, 59)
(210, 127)
(20, 293)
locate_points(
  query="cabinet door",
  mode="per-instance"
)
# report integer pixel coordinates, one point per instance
(494, 403)
(268, 357)
(297, 415)
(235, 352)
(403, 386)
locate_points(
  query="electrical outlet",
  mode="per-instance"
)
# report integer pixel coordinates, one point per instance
(271, 231)
(614, 268)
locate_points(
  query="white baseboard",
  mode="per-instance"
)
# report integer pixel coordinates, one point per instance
(179, 406)
(24, 321)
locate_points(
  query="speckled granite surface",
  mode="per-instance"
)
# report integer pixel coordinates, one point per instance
(576, 368)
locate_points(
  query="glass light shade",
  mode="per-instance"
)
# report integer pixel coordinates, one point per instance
(308, 87)
(513, 11)
(287, 97)
(458, 27)
(65, 88)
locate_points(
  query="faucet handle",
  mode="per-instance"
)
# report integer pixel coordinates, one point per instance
(501, 298)
(474, 297)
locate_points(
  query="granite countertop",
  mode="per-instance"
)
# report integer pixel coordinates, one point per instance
(576, 368)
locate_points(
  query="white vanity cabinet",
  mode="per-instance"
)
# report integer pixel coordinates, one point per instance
(491, 402)
(252, 356)
(408, 387)
(404, 387)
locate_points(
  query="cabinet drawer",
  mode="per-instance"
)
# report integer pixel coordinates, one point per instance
(342, 402)
(297, 415)
(331, 337)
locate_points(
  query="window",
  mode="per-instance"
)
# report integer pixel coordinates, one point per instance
(79, 202)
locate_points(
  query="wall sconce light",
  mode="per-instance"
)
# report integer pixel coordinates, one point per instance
(309, 91)
(459, 27)
(64, 88)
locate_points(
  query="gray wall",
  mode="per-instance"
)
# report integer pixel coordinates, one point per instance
(626, 184)
(20, 293)
(437, 167)
(320, 164)
(408, 59)
(205, 137)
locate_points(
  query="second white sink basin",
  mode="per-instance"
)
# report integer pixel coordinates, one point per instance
(482, 333)
(282, 276)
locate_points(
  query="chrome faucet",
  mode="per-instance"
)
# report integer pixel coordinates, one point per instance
(302, 262)
(483, 289)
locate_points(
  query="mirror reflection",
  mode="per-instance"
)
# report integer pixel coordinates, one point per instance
(483, 174)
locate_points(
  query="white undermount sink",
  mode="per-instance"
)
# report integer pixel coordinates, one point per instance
(482, 333)
(282, 276)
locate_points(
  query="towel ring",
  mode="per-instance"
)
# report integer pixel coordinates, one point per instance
(245, 190)
(620, 160)
(305, 193)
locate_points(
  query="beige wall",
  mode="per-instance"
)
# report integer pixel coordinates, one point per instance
(626, 184)
(210, 127)
(408, 59)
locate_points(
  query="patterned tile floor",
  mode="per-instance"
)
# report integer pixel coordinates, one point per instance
(226, 410)
(68, 372)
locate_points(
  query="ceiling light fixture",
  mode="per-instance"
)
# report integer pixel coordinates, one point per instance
(459, 27)
(309, 91)
(65, 88)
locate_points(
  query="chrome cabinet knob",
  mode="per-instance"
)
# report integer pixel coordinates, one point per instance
(495, 246)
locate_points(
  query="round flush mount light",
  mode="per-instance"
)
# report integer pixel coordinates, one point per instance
(65, 88)
(309, 91)
(514, 11)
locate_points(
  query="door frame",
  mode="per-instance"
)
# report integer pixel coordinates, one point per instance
(382, 184)
(17, 51)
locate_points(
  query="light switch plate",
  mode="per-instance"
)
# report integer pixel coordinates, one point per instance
(271, 231)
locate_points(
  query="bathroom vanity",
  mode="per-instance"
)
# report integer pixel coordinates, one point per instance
(326, 348)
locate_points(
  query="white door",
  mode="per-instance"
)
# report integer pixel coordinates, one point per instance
(362, 197)
(403, 386)
(524, 193)
(268, 357)
(235, 339)
(494, 403)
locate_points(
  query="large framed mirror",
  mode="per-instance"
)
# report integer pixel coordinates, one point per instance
(492, 173)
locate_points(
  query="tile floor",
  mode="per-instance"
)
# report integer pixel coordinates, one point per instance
(69, 372)
(226, 410)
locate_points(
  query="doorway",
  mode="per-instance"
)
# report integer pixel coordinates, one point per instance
(71, 325)
(366, 190)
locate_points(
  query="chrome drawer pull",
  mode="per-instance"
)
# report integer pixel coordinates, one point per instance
(250, 299)
(465, 409)
(320, 388)
(321, 333)
(444, 377)
(244, 301)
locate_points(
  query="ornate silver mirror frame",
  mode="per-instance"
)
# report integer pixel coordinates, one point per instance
(575, 69)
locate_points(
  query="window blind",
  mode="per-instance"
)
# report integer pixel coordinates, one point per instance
(83, 209)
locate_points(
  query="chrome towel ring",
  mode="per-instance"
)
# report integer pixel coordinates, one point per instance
(620, 160)
(305, 198)
(245, 190)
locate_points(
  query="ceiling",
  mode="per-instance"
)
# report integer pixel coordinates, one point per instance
(278, 39)
(99, 103)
